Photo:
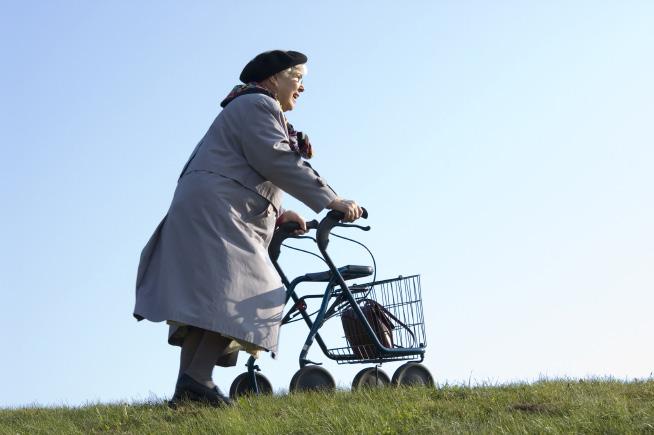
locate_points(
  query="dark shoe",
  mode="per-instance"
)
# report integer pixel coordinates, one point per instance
(188, 388)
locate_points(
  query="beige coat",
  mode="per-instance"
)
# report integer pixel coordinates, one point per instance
(207, 264)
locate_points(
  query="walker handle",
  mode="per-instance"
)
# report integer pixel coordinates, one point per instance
(292, 226)
(339, 215)
(283, 232)
(332, 220)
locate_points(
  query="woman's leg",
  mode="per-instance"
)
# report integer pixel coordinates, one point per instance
(189, 346)
(211, 345)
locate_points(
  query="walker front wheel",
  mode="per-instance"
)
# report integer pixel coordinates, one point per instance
(242, 385)
(312, 378)
(412, 373)
(371, 377)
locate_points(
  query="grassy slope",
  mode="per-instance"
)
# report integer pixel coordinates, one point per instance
(545, 407)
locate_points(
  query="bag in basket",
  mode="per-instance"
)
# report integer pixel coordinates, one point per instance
(380, 321)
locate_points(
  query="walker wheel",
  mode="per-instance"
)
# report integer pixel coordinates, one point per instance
(412, 374)
(312, 378)
(242, 385)
(371, 377)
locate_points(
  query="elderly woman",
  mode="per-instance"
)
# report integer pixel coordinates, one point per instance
(206, 270)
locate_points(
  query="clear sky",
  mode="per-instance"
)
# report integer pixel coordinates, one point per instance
(503, 149)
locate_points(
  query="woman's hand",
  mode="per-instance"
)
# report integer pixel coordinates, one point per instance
(291, 216)
(350, 208)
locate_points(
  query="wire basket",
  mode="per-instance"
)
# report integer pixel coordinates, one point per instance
(395, 316)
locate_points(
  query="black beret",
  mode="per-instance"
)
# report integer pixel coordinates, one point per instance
(270, 63)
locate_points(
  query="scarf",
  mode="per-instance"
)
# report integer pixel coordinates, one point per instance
(299, 141)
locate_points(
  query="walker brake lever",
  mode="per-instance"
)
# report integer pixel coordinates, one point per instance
(366, 228)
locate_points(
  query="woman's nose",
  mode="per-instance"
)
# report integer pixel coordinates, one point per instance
(301, 89)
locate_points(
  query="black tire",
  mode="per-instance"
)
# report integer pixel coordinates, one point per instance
(312, 378)
(412, 374)
(371, 377)
(242, 385)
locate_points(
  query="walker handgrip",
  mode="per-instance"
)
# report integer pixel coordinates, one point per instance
(339, 215)
(291, 226)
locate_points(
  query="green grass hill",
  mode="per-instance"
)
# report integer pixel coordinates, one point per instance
(588, 406)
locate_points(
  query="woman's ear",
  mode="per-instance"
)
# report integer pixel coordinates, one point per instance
(274, 82)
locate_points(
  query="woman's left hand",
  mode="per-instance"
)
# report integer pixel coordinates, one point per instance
(291, 216)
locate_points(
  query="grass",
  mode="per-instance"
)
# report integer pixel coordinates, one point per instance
(591, 406)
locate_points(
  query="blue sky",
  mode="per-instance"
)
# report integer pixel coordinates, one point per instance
(504, 152)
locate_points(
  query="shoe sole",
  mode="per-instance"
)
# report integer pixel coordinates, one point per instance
(191, 396)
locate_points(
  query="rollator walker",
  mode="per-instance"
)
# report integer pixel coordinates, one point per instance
(382, 321)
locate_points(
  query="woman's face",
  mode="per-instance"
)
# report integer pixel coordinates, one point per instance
(289, 88)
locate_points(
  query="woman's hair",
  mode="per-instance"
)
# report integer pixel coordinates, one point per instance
(288, 72)
(297, 69)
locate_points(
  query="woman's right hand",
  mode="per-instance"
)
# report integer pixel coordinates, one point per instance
(350, 208)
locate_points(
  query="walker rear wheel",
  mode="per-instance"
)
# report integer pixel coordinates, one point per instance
(371, 377)
(242, 385)
(312, 378)
(412, 373)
